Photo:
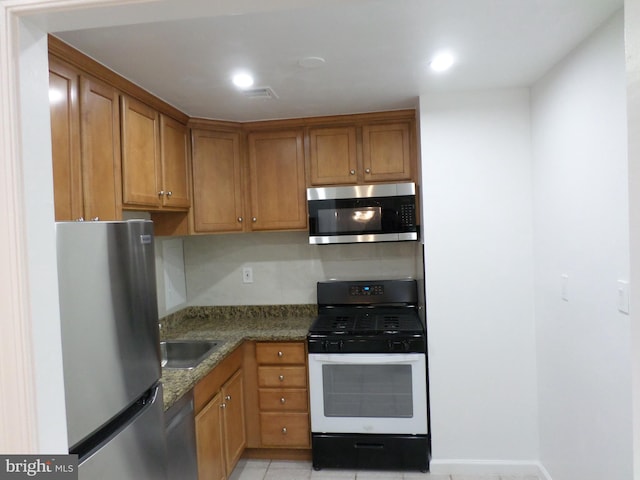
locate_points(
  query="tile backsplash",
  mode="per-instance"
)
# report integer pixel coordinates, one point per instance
(285, 267)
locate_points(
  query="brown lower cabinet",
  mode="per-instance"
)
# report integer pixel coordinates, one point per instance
(283, 399)
(220, 419)
(256, 400)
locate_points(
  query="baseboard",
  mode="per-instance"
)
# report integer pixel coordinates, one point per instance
(277, 453)
(489, 467)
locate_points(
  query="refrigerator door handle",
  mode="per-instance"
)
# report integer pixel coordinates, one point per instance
(138, 434)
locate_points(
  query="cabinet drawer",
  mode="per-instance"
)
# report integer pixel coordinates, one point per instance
(282, 376)
(285, 400)
(281, 353)
(284, 429)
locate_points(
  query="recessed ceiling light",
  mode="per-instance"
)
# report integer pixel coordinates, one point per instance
(242, 80)
(441, 62)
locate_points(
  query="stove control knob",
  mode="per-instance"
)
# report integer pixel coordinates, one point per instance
(405, 344)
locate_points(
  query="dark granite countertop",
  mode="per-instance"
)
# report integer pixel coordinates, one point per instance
(231, 326)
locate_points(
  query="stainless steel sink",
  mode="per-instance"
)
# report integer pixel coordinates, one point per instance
(186, 354)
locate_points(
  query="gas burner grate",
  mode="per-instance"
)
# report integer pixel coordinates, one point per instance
(342, 323)
(365, 324)
(391, 323)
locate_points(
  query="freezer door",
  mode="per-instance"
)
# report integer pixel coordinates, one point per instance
(137, 451)
(109, 318)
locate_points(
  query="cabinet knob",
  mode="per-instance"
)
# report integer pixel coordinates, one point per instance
(254, 219)
(227, 397)
(283, 400)
(367, 170)
(223, 405)
(169, 193)
(280, 354)
(240, 219)
(284, 430)
(161, 193)
(352, 172)
(281, 378)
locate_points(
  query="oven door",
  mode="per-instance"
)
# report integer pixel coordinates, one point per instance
(368, 393)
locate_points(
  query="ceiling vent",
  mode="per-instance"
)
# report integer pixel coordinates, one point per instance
(260, 92)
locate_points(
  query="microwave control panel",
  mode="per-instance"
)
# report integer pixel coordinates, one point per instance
(408, 214)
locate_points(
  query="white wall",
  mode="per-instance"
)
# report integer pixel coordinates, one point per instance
(479, 275)
(581, 230)
(40, 241)
(632, 47)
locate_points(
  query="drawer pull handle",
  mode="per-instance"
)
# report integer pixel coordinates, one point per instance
(283, 400)
(284, 430)
(281, 378)
(280, 354)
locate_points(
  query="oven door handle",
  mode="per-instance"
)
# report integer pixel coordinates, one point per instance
(350, 359)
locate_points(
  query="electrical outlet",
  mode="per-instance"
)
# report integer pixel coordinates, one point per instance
(247, 275)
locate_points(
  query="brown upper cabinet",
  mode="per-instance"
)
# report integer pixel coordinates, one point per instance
(332, 156)
(368, 153)
(247, 182)
(217, 182)
(154, 158)
(174, 155)
(85, 133)
(277, 178)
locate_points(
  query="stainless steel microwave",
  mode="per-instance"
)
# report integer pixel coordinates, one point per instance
(362, 213)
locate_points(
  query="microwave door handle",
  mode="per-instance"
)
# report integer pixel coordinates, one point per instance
(394, 358)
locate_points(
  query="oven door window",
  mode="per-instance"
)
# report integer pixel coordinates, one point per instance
(374, 391)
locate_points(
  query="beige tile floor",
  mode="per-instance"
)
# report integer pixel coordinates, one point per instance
(295, 470)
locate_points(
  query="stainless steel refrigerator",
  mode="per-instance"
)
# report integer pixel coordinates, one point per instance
(110, 345)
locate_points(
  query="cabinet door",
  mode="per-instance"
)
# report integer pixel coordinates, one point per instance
(332, 156)
(141, 172)
(174, 154)
(386, 152)
(209, 441)
(217, 182)
(100, 141)
(65, 141)
(234, 421)
(276, 168)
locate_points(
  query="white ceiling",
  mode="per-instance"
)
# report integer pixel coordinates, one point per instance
(376, 51)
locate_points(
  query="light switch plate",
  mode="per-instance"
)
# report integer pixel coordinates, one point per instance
(564, 287)
(623, 296)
